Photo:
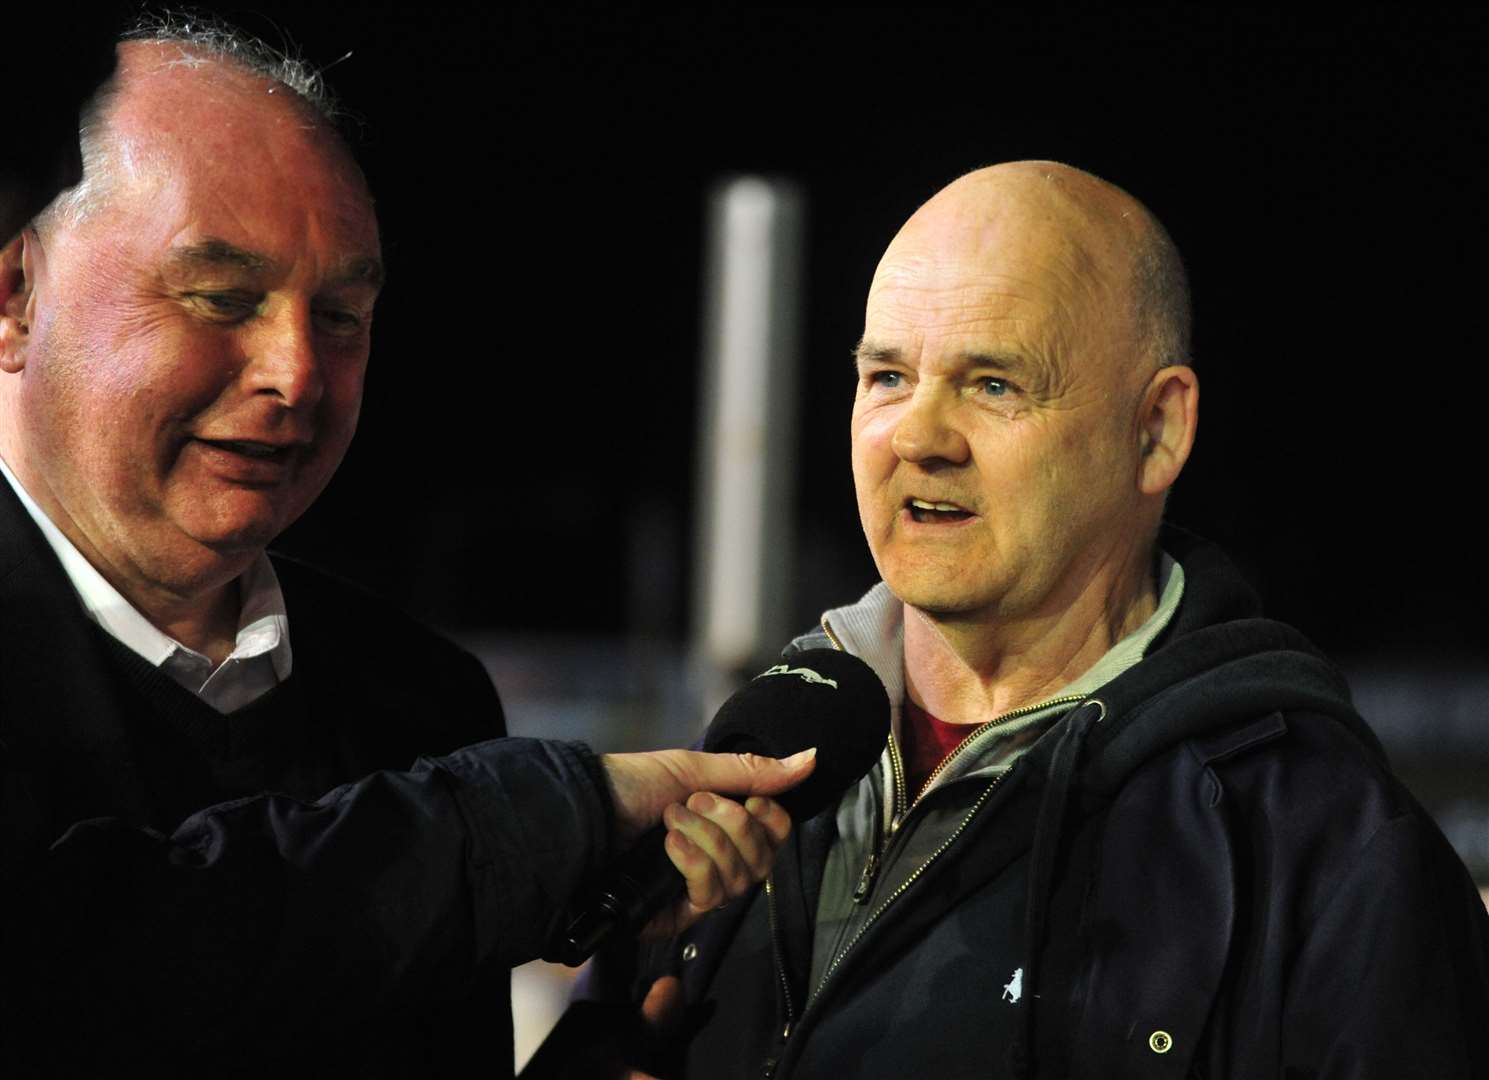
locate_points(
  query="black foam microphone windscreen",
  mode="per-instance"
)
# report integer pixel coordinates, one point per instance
(821, 697)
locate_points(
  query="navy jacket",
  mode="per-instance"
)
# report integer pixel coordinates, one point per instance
(1205, 870)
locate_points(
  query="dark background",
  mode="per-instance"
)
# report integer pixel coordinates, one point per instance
(526, 462)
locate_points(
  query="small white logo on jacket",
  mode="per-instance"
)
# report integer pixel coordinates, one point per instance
(1015, 988)
(807, 675)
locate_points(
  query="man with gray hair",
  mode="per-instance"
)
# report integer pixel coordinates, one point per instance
(222, 856)
(1125, 826)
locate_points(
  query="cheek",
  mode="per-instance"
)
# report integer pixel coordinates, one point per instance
(1105, 460)
(336, 419)
(145, 357)
(1084, 480)
(869, 475)
(1027, 480)
(873, 436)
(342, 403)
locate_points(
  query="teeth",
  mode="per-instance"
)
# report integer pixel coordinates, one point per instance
(921, 504)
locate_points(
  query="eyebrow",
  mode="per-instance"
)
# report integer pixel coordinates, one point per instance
(213, 253)
(1012, 363)
(364, 271)
(868, 352)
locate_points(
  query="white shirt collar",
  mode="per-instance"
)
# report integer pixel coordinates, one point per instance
(263, 626)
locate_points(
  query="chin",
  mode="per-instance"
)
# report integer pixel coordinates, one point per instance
(246, 521)
(945, 610)
(940, 599)
(232, 541)
(937, 586)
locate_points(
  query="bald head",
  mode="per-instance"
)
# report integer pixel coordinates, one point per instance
(1107, 246)
(189, 70)
(1020, 414)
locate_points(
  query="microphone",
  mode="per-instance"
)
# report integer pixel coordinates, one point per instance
(821, 697)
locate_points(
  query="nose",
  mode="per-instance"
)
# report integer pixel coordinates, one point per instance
(927, 432)
(283, 361)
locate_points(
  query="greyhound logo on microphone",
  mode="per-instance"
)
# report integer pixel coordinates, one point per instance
(807, 675)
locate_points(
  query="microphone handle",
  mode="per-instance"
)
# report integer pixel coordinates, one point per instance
(637, 885)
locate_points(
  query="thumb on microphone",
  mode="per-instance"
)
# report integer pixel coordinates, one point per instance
(642, 786)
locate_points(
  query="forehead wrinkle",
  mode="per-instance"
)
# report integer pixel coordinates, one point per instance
(997, 305)
(993, 268)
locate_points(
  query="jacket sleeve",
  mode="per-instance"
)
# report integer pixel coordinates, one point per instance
(397, 886)
(1393, 976)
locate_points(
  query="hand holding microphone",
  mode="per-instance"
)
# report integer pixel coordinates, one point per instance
(822, 698)
(721, 847)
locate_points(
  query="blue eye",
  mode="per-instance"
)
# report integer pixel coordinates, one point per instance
(889, 379)
(993, 387)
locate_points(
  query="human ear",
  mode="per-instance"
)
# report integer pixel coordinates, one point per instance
(17, 298)
(1169, 417)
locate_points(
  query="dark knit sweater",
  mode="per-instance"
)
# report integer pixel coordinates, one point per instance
(184, 755)
(193, 756)
(330, 931)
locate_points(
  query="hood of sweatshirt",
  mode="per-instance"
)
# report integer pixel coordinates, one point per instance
(1219, 662)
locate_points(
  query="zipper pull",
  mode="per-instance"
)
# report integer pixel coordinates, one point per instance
(866, 879)
(768, 1068)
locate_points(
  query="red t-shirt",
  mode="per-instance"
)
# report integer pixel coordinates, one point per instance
(924, 743)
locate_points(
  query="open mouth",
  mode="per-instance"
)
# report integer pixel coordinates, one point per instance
(936, 513)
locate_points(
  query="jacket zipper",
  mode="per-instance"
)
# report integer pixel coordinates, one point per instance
(775, 948)
(904, 886)
(876, 858)
(897, 769)
(981, 729)
(866, 880)
(773, 1060)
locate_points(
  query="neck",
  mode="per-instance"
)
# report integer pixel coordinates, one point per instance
(207, 623)
(203, 615)
(970, 670)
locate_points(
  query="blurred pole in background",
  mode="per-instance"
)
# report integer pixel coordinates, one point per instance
(745, 537)
(641, 694)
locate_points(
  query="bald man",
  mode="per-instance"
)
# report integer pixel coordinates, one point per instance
(1125, 827)
(220, 855)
